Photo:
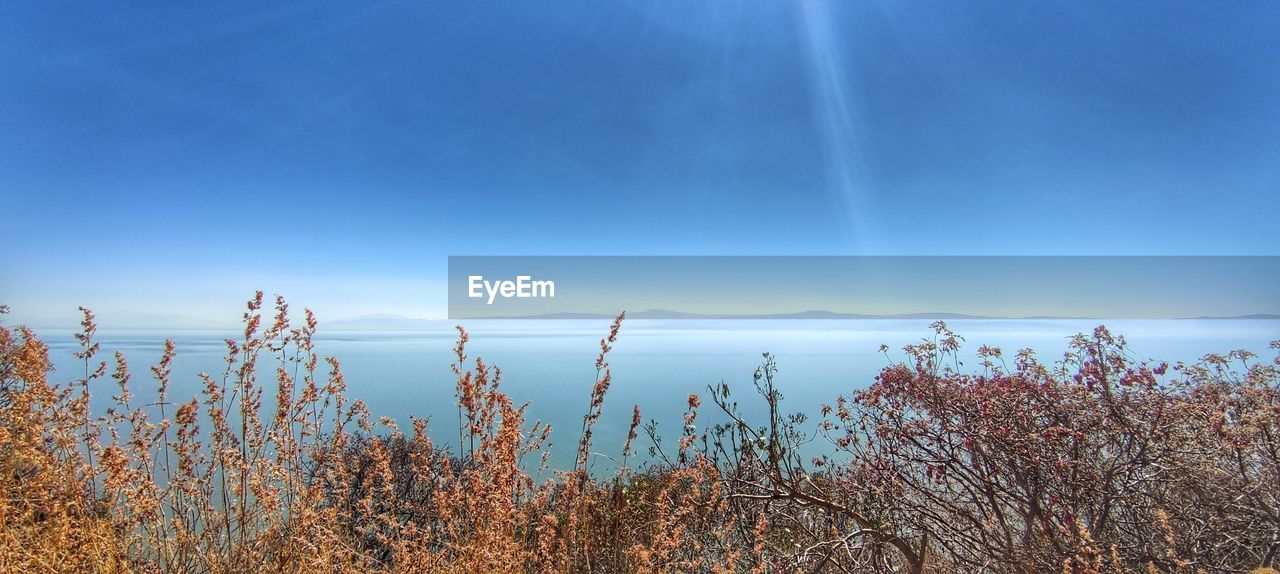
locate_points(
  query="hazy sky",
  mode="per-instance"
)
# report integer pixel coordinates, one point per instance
(170, 158)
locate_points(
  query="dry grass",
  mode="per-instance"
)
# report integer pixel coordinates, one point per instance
(1094, 464)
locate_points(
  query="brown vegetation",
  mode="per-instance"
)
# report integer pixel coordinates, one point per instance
(1095, 463)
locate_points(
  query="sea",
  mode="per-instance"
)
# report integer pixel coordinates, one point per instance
(655, 364)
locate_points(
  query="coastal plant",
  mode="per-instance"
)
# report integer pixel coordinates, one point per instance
(1096, 462)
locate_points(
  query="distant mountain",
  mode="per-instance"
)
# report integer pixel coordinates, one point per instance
(377, 322)
(667, 314)
(1238, 317)
(819, 314)
(144, 320)
(394, 322)
(561, 315)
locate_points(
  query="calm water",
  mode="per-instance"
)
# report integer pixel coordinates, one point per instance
(656, 364)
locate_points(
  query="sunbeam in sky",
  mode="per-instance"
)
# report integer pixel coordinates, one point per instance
(835, 119)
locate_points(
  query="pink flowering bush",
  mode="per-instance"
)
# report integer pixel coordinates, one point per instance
(1097, 463)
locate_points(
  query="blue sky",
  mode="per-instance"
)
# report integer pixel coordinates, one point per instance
(172, 158)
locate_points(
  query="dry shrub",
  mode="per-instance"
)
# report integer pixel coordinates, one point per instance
(1097, 463)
